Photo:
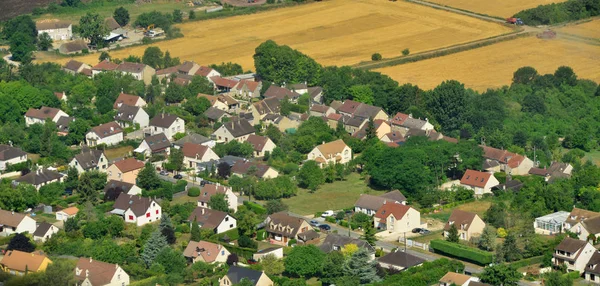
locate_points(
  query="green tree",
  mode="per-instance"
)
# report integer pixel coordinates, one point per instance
(196, 105)
(172, 260)
(362, 267)
(176, 159)
(362, 93)
(20, 242)
(71, 224)
(334, 264)
(219, 202)
(286, 106)
(199, 84)
(556, 278)
(195, 231)
(275, 206)
(533, 103)
(487, 240)
(310, 176)
(91, 27)
(496, 215)
(565, 75)
(148, 179)
(70, 3)
(166, 228)
(376, 57)
(121, 15)
(44, 41)
(510, 249)
(304, 261)
(192, 15)
(21, 47)
(524, 75)
(175, 93)
(500, 275)
(448, 105)
(177, 16)
(59, 272)
(272, 265)
(228, 69)
(104, 56)
(369, 233)
(279, 64)
(153, 57)
(452, 234)
(155, 244)
(85, 188)
(246, 223)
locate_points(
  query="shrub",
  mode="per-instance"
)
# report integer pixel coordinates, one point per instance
(462, 252)
(501, 232)
(330, 219)
(180, 186)
(256, 208)
(261, 235)
(376, 57)
(194, 192)
(292, 242)
(318, 214)
(529, 261)
(405, 52)
(379, 252)
(246, 242)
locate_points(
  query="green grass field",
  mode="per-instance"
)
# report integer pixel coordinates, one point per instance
(593, 156)
(119, 152)
(479, 207)
(334, 196)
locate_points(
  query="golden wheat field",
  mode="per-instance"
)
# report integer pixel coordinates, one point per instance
(500, 8)
(336, 32)
(589, 29)
(493, 66)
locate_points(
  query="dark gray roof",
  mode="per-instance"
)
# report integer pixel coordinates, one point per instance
(230, 160)
(158, 142)
(89, 158)
(239, 127)
(236, 274)
(275, 118)
(139, 205)
(333, 241)
(164, 120)
(314, 91)
(207, 218)
(62, 124)
(592, 265)
(355, 121)
(39, 177)
(570, 245)
(267, 250)
(268, 105)
(401, 259)
(118, 185)
(394, 195)
(308, 235)
(126, 113)
(191, 138)
(414, 123)
(476, 283)
(42, 229)
(131, 67)
(280, 93)
(214, 114)
(8, 152)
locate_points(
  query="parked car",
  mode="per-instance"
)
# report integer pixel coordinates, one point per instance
(416, 230)
(164, 173)
(424, 232)
(252, 261)
(327, 213)
(178, 177)
(314, 223)
(325, 227)
(419, 230)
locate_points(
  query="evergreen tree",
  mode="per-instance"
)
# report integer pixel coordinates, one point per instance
(166, 228)
(195, 231)
(369, 234)
(155, 244)
(371, 131)
(510, 249)
(20, 242)
(71, 224)
(148, 179)
(72, 178)
(452, 234)
(361, 267)
(487, 240)
(85, 188)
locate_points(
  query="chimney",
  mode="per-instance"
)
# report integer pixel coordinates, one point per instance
(202, 210)
(163, 115)
(112, 129)
(64, 94)
(13, 212)
(410, 115)
(117, 266)
(87, 272)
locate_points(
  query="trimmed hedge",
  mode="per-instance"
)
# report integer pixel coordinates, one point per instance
(529, 261)
(232, 234)
(462, 252)
(256, 208)
(179, 186)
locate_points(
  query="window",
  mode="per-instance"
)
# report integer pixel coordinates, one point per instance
(231, 226)
(119, 175)
(147, 214)
(130, 217)
(156, 211)
(226, 218)
(222, 252)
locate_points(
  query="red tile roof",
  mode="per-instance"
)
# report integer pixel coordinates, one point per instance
(334, 116)
(258, 142)
(129, 165)
(252, 85)
(204, 71)
(475, 178)
(107, 129)
(223, 82)
(398, 210)
(126, 99)
(105, 65)
(192, 150)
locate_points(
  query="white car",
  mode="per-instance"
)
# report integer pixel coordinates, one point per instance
(327, 213)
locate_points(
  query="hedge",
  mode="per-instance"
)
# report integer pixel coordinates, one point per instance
(232, 234)
(180, 186)
(529, 261)
(462, 252)
(240, 251)
(572, 275)
(256, 208)
(261, 235)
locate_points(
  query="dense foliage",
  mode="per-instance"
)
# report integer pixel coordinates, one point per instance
(555, 13)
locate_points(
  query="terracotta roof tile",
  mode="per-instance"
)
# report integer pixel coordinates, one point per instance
(475, 178)
(107, 129)
(99, 273)
(398, 210)
(129, 165)
(21, 261)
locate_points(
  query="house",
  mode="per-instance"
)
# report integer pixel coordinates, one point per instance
(501, 160)
(67, 213)
(550, 224)
(125, 170)
(215, 102)
(129, 99)
(309, 237)
(370, 204)
(333, 119)
(578, 215)
(283, 123)
(353, 124)
(480, 182)
(97, 273)
(137, 209)
(73, 47)
(114, 188)
(281, 93)
(320, 110)
(215, 220)
(235, 274)
(104, 66)
(592, 271)
(154, 144)
(316, 94)
(282, 227)
(557, 170)
(62, 125)
(381, 129)
(207, 72)
(509, 185)
(237, 130)
(587, 228)
(193, 154)
(403, 122)
(210, 189)
(393, 137)
(573, 253)
(241, 168)
(56, 29)
(397, 218)
(335, 152)
(223, 84)
(399, 260)
(261, 144)
(247, 89)
(40, 178)
(335, 242)
(358, 109)
(138, 71)
(88, 160)
(39, 116)
(75, 67)
(10, 155)
(261, 108)
(186, 69)
(206, 252)
(110, 133)
(62, 96)
(212, 164)
(12, 222)
(44, 231)
(19, 263)
(132, 116)
(458, 279)
(232, 104)
(215, 115)
(468, 224)
(195, 139)
(168, 124)
(276, 251)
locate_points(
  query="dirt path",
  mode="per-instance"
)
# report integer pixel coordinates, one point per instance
(458, 11)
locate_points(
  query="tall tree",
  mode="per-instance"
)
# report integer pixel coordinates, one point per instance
(334, 264)
(195, 231)
(153, 57)
(487, 240)
(362, 267)
(362, 93)
(44, 41)
(155, 244)
(369, 234)
(305, 261)
(59, 272)
(176, 159)
(166, 228)
(219, 202)
(20, 242)
(510, 249)
(447, 104)
(452, 234)
(272, 265)
(91, 27)
(86, 189)
(147, 178)
(501, 275)
(121, 15)
(310, 176)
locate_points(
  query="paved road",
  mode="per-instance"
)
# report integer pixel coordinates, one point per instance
(8, 60)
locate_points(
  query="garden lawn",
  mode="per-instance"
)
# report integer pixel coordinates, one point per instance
(479, 207)
(115, 153)
(593, 156)
(334, 196)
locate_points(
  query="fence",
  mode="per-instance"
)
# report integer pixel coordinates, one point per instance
(415, 244)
